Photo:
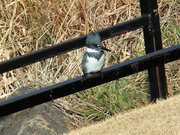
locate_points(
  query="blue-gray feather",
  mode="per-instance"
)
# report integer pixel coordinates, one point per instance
(93, 38)
(93, 59)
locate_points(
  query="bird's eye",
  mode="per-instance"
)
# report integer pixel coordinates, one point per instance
(97, 45)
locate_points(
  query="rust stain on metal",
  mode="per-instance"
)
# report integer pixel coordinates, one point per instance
(158, 81)
(135, 65)
(117, 73)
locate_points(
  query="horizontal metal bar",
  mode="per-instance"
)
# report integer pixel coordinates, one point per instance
(81, 83)
(70, 45)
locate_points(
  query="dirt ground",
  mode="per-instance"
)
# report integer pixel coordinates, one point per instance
(162, 118)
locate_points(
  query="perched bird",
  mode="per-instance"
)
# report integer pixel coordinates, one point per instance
(94, 57)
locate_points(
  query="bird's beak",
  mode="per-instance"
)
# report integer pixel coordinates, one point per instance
(104, 48)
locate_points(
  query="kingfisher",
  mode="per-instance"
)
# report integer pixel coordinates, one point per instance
(94, 57)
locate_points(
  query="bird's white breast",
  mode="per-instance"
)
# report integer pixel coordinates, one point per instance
(90, 50)
(94, 65)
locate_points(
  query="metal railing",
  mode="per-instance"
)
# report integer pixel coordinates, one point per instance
(153, 62)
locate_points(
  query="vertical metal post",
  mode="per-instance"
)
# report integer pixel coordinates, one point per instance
(153, 42)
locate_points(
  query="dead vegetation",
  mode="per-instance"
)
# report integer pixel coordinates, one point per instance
(27, 26)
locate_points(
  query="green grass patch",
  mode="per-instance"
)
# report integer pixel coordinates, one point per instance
(114, 97)
(171, 34)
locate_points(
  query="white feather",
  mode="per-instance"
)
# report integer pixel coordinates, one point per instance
(90, 50)
(93, 65)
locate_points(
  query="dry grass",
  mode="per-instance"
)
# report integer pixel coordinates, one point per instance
(26, 26)
(155, 119)
(31, 25)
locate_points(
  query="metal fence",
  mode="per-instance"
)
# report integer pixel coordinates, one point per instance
(153, 61)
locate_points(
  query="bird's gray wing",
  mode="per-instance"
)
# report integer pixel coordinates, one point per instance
(84, 60)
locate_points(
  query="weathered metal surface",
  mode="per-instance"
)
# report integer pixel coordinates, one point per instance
(80, 83)
(153, 42)
(72, 44)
